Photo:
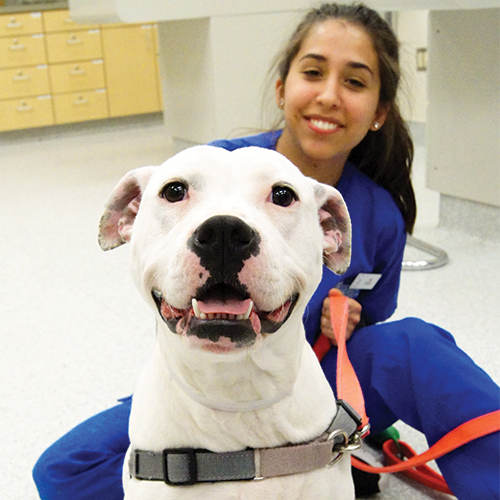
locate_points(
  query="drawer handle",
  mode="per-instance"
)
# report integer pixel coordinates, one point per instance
(14, 24)
(17, 46)
(73, 40)
(80, 101)
(20, 77)
(24, 107)
(77, 71)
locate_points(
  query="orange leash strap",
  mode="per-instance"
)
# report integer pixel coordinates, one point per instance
(348, 389)
(393, 453)
(473, 429)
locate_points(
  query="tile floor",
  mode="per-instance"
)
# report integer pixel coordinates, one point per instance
(74, 332)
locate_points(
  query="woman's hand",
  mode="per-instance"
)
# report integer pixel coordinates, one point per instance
(354, 317)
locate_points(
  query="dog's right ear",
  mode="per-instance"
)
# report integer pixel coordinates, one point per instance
(115, 227)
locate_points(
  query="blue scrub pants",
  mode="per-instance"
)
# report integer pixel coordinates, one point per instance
(409, 370)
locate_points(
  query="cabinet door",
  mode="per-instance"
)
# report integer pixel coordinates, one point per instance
(80, 107)
(26, 113)
(74, 46)
(22, 51)
(60, 20)
(131, 69)
(30, 81)
(82, 75)
(21, 24)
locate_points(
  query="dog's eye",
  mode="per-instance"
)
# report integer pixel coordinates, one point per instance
(174, 191)
(283, 196)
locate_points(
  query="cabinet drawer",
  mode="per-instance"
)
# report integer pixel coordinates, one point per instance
(26, 113)
(77, 76)
(22, 51)
(80, 106)
(60, 20)
(30, 81)
(74, 46)
(21, 24)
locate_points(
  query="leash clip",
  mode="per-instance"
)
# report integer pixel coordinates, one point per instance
(347, 444)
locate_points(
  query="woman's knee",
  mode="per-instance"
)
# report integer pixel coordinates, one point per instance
(92, 453)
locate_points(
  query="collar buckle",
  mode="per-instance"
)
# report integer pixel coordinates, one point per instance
(180, 459)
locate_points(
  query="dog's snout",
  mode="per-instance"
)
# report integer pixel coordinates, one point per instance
(223, 242)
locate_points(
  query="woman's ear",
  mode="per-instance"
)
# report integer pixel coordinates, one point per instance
(279, 92)
(380, 116)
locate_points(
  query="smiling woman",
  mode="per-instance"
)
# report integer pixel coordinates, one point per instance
(349, 49)
(330, 99)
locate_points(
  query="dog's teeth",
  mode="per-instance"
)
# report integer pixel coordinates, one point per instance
(196, 309)
(247, 314)
(203, 316)
(239, 317)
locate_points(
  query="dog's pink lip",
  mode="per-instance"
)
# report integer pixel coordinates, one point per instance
(178, 319)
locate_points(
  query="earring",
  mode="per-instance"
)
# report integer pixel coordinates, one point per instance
(282, 103)
(376, 125)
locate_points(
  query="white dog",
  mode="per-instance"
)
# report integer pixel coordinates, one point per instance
(227, 247)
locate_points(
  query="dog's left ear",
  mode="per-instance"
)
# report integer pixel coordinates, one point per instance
(336, 224)
(115, 227)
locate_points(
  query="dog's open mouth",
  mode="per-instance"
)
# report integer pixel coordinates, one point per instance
(222, 318)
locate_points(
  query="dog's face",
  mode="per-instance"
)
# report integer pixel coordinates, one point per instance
(227, 246)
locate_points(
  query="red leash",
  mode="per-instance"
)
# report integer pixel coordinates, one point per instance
(411, 464)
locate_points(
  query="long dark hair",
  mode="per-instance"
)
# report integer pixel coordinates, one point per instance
(386, 156)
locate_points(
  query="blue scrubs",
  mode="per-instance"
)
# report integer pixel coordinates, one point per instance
(409, 370)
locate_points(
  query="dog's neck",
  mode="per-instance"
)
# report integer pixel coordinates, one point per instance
(238, 382)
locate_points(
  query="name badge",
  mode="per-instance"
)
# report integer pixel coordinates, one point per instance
(365, 281)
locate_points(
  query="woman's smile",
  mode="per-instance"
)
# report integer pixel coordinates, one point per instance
(323, 125)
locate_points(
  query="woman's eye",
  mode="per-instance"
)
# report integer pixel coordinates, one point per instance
(283, 196)
(356, 83)
(312, 73)
(174, 191)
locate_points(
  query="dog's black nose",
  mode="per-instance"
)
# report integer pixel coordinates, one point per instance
(223, 243)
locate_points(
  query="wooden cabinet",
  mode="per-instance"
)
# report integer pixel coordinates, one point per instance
(26, 113)
(21, 24)
(79, 75)
(80, 106)
(54, 71)
(25, 99)
(131, 69)
(19, 82)
(74, 46)
(74, 54)
(22, 51)
(59, 20)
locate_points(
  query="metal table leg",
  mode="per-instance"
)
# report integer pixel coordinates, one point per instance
(440, 256)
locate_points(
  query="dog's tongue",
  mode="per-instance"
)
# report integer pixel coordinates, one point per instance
(231, 306)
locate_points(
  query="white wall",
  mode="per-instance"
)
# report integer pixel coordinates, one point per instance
(463, 126)
(216, 68)
(412, 30)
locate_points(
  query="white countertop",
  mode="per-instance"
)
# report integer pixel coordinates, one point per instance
(165, 10)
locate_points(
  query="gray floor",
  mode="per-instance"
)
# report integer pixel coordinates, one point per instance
(73, 330)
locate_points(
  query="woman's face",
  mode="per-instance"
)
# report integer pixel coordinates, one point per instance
(331, 95)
